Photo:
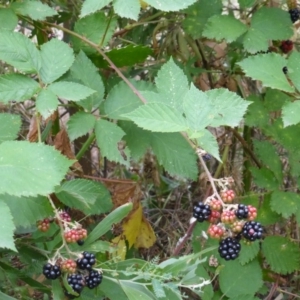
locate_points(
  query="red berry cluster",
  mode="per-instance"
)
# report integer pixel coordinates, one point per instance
(68, 266)
(75, 235)
(286, 46)
(43, 225)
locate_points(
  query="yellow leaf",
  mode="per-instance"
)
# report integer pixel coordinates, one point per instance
(144, 4)
(120, 246)
(146, 236)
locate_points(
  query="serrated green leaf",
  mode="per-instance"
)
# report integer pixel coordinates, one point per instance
(32, 208)
(207, 291)
(95, 28)
(136, 291)
(265, 215)
(57, 58)
(291, 113)
(91, 6)
(248, 252)
(294, 68)
(198, 15)
(127, 9)
(281, 254)
(170, 5)
(231, 28)
(267, 153)
(108, 135)
(85, 71)
(8, 19)
(234, 278)
(229, 108)
(17, 87)
(246, 3)
(269, 71)
(112, 289)
(7, 228)
(172, 84)
(80, 124)
(57, 290)
(209, 143)
(28, 169)
(175, 154)
(35, 10)
(17, 50)
(257, 114)
(158, 288)
(157, 117)
(115, 217)
(274, 100)
(285, 203)
(70, 90)
(10, 126)
(268, 23)
(46, 103)
(264, 178)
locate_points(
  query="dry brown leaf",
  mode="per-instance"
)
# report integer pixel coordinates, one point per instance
(32, 135)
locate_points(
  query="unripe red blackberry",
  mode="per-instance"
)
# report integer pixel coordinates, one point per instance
(214, 217)
(43, 225)
(68, 266)
(237, 226)
(228, 216)
(201, 212)
(286, 46)
(215, 204)
(252, 213)
(227, 196)
(215, 231)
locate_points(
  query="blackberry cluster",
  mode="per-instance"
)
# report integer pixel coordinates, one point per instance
(201, 211)
(242, 211)
(51, 272)
(229, 248)
(294, 14)
(76, 282)
(93, 279)
(87, 261)
(252, 231)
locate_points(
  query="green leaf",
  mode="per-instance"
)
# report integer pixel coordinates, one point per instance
(86, 195)
(248, 252)
(158, 117)
(70, 90)
(115, 217)
(172, 84)
(198, 15)
(229, 108)
(246, 3)
(95, 28)
(294, 68)
(57, 58)
(91, 6)
(175, 154)
(46, 103)
(127, 9)
(108, 135)
(264, 178)
(10, 126)
(35, 10)
(265, 215)
(269, 71)
(244, 297)
(8, 19)
(32, 208)
(231, 28)
(285, 203)
(158, 288)
(6, 297)
(7, 228)
(234, 278)
(136, 291)
(267, 153)
(18, 50)
(80, 124)
(274, 100)
(268, 23)
(281, 254)
(291, 113)
(209, 143)
(28, 169)
(57, 290)
(112, 289)
(170, 5)
(257, 114)
(85, 71)
(17, 87)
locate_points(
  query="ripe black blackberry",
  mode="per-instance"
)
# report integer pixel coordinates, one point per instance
(229, 248)
(242, 211)
(87, 261)
(285, 70)
(80, 242)
(252, 231)
(51, 272)
(294, 14)
(93, 279)
(76, 282)
(201, 211)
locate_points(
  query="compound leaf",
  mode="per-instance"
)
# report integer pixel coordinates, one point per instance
(8, 19)
(108, 135)
(91, 6)
(269, 71)
(170, 5)
(7, 228)
(10, 126)
(80, 124)
(28, 169)
(46, 103)
(231, 28)
(281, 254)
(157, 117)
(18, 50)
(57, 58)
(127, 9)
(35, 10)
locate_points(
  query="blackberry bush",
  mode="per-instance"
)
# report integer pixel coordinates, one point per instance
(201, 212)
(229, 248)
